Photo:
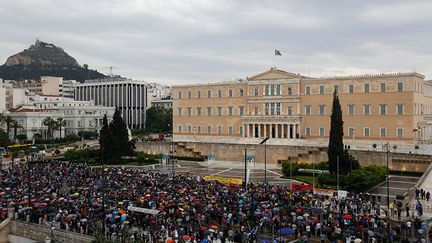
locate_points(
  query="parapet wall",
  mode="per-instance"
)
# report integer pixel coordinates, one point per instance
(283, 153)
(40, 232)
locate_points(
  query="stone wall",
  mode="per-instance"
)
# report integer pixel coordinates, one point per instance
(5, 229)
(283, 153)
(40, 232)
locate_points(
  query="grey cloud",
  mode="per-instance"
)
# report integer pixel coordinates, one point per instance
(207, 41)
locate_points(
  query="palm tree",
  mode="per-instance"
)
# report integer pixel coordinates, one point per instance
(8, 120)
(16, 125)
(60, 123)
(51, 124)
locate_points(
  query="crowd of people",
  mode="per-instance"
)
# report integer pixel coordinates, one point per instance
(186, 208)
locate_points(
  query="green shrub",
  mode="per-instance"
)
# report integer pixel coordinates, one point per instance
(293, 168)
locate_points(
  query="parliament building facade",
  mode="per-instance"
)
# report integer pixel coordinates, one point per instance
(283, 105)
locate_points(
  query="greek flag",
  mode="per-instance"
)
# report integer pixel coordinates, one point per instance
(278, 53)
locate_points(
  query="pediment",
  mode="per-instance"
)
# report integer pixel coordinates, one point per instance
(274, 73)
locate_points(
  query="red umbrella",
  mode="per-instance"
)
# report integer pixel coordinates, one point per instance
(348, 217)
(299, 210)
(203, 228)
(186, 237)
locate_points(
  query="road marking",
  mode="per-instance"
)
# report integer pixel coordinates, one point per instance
(220, 172)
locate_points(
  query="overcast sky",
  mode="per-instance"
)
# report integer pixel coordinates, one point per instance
(175, 42)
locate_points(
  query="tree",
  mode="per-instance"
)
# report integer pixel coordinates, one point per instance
(8, 120)
(159, 119)
(60, 122)
(119, 136)
(51, 124)
(4, 139)
(336, 148)
(105, 142)
(15, 125)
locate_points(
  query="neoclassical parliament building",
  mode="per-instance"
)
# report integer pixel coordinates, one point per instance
(283, 105)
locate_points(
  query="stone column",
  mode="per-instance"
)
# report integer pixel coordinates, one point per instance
(265, 129)
(246, 130)
(276, 130)
(259, 130)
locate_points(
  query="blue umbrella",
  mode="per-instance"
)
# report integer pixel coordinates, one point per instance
(286, 231)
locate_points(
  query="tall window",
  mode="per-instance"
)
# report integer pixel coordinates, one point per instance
(366, 132)
(241, 110)
(366, 110)
(399, 132)
(321, 131)
(351, 132)
(189, 111)
(383, 132)
(198, 129)
(179, 95)
(219, 129)
(321, 89)
(272, 89)
(189, 94)
(198, 94)
(399, 109)
(308, 110)
(219, 93)
(198, 111)
(290, 110)
(351, 110)
(209, 111)
(351, 88)
(241, 92)
(321, 110)
(230, 93)
(400, 86)
(256, 111)
(366, 88)
(209, 93)
(289, 91)
(179, 111)
(209, 129)
(383, 87)
(307, 90)
(219, 110)
(336, 88)
(308, 131)
(383, 109)
(230, 130)
(179, 129)
(256, 92)
(230, 111)
(189, 129)
(272, 108)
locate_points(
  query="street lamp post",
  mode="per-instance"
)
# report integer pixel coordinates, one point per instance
(388, 172)
(264, 141)
(245, 168)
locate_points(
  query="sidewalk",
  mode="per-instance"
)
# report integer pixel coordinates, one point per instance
(237, 164)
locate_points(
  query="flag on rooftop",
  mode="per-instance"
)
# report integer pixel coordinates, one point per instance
(278, 53)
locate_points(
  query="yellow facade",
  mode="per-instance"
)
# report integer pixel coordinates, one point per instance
(284, 105)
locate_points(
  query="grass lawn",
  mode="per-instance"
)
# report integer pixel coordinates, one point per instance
(306, 179)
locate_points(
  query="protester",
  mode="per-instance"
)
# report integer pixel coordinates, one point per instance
(75, 197)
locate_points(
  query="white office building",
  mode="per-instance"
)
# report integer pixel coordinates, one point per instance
(78, 115)
(130, 96)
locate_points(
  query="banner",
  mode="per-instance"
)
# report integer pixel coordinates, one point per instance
(301, 187)
(342, 194)
(224, 180)
(324, 192)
